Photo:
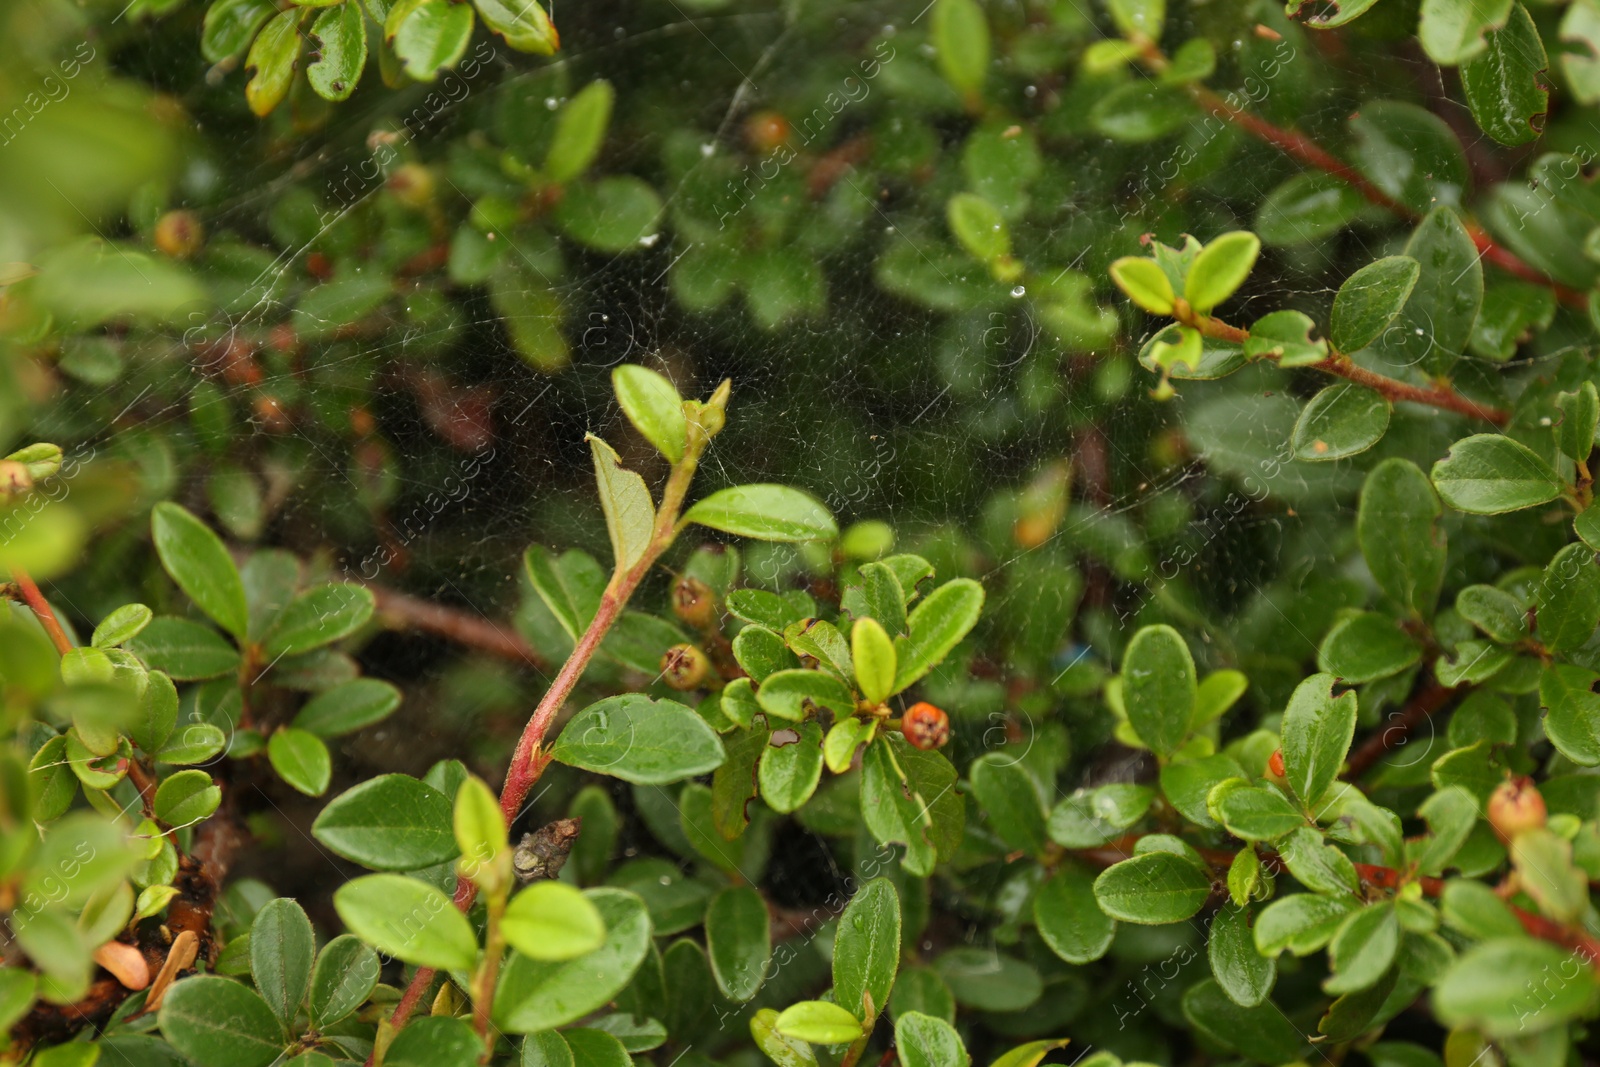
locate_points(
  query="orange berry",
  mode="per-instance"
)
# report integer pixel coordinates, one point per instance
(1275, 763)
(767, 131)
(1516, 806)
(179, 234)
(925, 726)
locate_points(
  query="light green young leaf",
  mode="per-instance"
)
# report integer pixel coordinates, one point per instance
(766, 513)
(1220, 268)
(1490, 474)
(1158, 687)
(407, 919)
(650, 401)
(553, 921)
(1317, 730)
(935, 626)
(630, 513)
(199, 562)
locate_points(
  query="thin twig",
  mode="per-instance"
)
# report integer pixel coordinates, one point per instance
(1438, 396)
(1299, 147)
(1395, 732)
(464, 628)
(41, 610)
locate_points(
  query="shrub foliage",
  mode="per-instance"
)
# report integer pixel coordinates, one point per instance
(1124, 579)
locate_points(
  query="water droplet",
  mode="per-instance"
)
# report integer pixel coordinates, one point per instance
(551, 103)
(707, 148)
(649, 240)
(1019, 291)
(1031, 91)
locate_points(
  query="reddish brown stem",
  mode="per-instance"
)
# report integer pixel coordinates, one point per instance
(1340, 365)
(41, 610)
(462, 627)
(1299, 147)
(1395, 732)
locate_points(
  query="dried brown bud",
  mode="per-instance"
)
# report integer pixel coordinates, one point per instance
(694, 602)
(1516, 806)
(925, 726)
(179, 234)
(125, 962)
(684, 667)
(542, 854)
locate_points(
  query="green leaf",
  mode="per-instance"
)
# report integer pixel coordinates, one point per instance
(981, 230)
(1433, 328)
(1158, 687)
(1476, 910)
(1220, 268)
(1572, 712)
(436, 1041)
(199, 562)
(793, 694)
(1262, 1033)
(318, 617)
(195, 743)
(960, 37)
(1307, 208)
(1412, 155)
(765, 512)
(1142, 110)
(790, 771)
(1364, 947)
(186, 798)
(1366, 646)
(552, 921)
(1452, 31)
(1317, 730)
(1285, 336)
(391, 822)
(988, 980)
(216, 1022)
(1490, 474)
(783, 1051)
(17, 990)
(875, 661)
(547, 1048)
(348, 707)
(1341, 421)
(1187, 784)
(1010, 801)
(925, 1041)
(1257, 813)
(1244, 974)
(282, 949)
(570, 585)
(1484, 988)
(1400, 539)
(1145, 283)
(648, 742)
(866, 950)
(1568, 598)
(1580, 414)
(819, 1021)
(1138, 17)
(612, 214)
(121, 626)
(908, 796)
(538, 995)
(523, 23)
(1318, 866)
(341, 33)
(1069, 917)
(1301, 923)
(301, 759)
(271, 64)
(345, 975)
(650, 401)
(738, 942)
(630, 513)
(407, 919)
(1157, 887)
(934, 628)
(158, 713)
(1504, 83)
(230, 26)
(1370, 299)
(428, 35)
(580, 131)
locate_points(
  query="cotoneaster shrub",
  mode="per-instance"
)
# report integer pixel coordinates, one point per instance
(1131, 598)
